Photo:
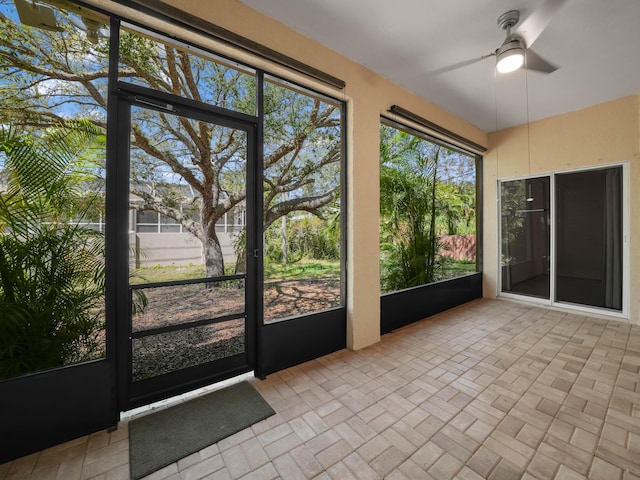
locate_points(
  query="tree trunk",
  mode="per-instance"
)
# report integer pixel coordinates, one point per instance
(432, 223)
(283, 227)
(213, 259)
(285, 256)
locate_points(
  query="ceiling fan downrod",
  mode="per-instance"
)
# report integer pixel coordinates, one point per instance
(508, 20)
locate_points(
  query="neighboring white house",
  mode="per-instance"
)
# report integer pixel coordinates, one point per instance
(158, 240)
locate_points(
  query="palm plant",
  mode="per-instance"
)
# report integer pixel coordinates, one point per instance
(409, 251)
(51, 265)
(408, 208)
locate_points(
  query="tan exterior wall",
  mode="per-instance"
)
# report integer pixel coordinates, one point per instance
(604, 134)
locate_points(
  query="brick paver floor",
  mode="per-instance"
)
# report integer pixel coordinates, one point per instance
(492, 389)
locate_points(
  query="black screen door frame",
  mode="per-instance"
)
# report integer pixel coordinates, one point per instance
(133, 394)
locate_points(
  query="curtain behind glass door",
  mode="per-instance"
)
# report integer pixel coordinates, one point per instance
(589, 238)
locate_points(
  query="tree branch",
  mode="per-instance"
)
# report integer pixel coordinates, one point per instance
(144, 144)
(307, 204)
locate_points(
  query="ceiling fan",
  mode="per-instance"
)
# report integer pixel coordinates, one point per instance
(515, 51)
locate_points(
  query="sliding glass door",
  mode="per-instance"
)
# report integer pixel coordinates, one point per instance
(589, 238)
(562, 238)
(526, 239)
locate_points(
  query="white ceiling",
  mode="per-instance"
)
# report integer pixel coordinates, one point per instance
(596, 44)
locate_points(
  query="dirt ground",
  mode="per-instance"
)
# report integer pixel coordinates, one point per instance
(158, 354)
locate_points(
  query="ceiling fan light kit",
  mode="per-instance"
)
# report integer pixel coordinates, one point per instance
(510, 56)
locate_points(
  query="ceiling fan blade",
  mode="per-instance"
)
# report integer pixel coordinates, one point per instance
(535, 62)
(458, 65)
(531, 28)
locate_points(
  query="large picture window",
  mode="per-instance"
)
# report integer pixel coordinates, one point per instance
(427, 210)
(53, 92)
(149, 60)
(303, 155)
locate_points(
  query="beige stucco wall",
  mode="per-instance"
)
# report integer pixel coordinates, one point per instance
(600, 135)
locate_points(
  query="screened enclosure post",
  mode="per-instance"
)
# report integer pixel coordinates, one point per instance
(258, 278)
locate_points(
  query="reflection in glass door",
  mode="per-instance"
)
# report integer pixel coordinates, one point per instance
(190, 322)
(526, 237)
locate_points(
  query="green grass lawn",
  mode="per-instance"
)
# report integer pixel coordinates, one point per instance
(166, 273)
(304, 269)
(455, 268)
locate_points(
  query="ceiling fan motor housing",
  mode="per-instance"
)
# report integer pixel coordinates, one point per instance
(512, 42)
(508, 20)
